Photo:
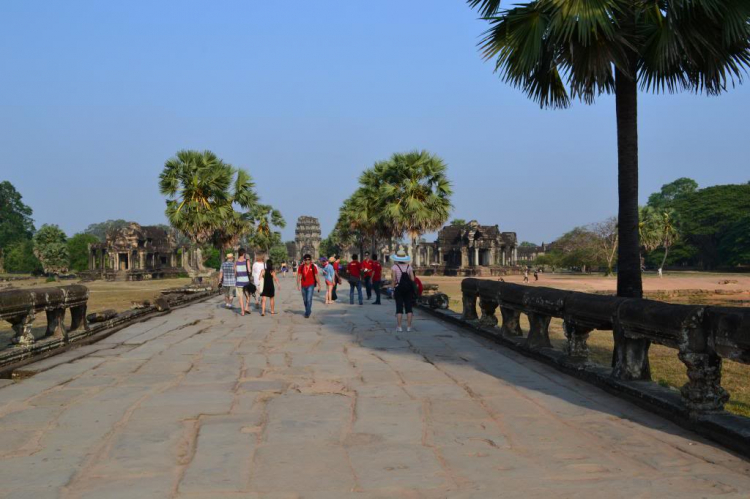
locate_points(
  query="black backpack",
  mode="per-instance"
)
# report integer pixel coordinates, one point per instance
(405, 282)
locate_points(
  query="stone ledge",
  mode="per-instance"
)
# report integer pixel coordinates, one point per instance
(727, 429)
(12, 359)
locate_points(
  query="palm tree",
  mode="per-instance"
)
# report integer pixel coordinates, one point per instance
(203, 191)
(263, 217)
(555, 50)
(414, 194)
(657, 229)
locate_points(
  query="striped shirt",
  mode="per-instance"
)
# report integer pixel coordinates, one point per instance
(243, 276)
(229, 278)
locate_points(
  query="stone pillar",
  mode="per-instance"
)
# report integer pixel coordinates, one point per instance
(538, 331)
(515, 255)
(117, 261)
(488, 307)
(429, 255)
(476, 257)
(493, 256)
(141, 260)
(577, 337)
(511, 322)
(703, 391)
(464, 257)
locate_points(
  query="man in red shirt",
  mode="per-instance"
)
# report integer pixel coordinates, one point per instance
(307, 281)
(377, 276)
(367, 274)
(355, 279)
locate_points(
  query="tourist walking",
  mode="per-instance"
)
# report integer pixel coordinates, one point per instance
(404, 291)
(355, 279)
(242, 273)
(337, 280)
(330, 276)
(536, 275)
(367, 274)
(307, 282)
(268, 276)
(377, 278)
(228, 280)
(526, 274)
(258, 268)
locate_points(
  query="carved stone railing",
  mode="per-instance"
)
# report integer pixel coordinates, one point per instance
(702, 335)
(20, 307)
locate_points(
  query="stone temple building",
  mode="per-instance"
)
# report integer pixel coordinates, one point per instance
(307, 238)
(470, 249)
(136, 252)
(530, 253)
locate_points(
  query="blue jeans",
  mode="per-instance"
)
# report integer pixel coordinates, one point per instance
(307, 297)
(368, 287)
(352, 285)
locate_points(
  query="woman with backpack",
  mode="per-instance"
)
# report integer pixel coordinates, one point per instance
(404, 291)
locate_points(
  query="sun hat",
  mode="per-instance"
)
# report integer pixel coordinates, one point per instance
(401, 256)
(230, 255)
(332, 259)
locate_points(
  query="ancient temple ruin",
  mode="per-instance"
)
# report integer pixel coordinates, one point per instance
(470, 249)
(138, 252)
(307, 238)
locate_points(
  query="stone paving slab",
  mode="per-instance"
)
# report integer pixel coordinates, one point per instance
(204, 403)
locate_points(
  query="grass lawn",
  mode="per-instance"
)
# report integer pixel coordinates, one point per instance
(666, 368)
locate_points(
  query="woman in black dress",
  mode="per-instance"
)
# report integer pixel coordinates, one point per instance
(269, 289)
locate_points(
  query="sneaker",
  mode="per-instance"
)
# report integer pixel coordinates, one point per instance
(399, 330)
(408, 330)
(228, 305)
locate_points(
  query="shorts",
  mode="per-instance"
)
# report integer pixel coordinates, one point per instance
(228, 291)
(404, 300)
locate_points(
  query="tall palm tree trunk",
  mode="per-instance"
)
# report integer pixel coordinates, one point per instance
(630, 357)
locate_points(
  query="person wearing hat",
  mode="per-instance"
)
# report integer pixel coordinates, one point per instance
(330, 276)
(403, 278)
(228, 280)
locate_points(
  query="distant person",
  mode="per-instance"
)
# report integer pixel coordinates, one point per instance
(526, 274)
(284, 269)
(258, 268)
(228, 280)
(242, 273)
(403, 292)
(377, 279)
(307, 282)
(337, 280)
(330, 277)
(536, 275)
(367, 274)
(355, 279)
(268, 275)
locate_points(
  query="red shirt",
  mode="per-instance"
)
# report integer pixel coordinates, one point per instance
(308, 274)
(377, 271)
(336, 267)
(354, 268)
(367, 268)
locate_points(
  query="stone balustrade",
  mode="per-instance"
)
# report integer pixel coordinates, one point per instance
(20, 306)
(702, 335)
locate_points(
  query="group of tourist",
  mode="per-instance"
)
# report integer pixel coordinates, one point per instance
(246, 281)
(257, 281)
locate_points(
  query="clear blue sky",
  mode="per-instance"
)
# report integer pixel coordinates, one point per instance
(96, 95)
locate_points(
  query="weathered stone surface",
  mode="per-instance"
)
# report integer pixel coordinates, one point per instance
(207, 404)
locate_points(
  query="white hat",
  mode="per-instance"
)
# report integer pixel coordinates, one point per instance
(401, 256)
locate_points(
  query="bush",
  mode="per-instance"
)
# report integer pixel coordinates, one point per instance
(20, 259)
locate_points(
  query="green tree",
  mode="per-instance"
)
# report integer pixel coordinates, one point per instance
(734, 246)
(78, 251)
(20, 258)
(666, 197)
(527, 244)
(51, 248)
(413, 195)
(658, 231)
(263, 218)
(557, 50)
(16, 224)
(580, 248)
(101, 229)
(203, 191)
(707, 215)
(458, 222)
(278, 254)
(212, 258)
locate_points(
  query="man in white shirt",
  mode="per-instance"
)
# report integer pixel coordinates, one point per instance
(258, 268)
